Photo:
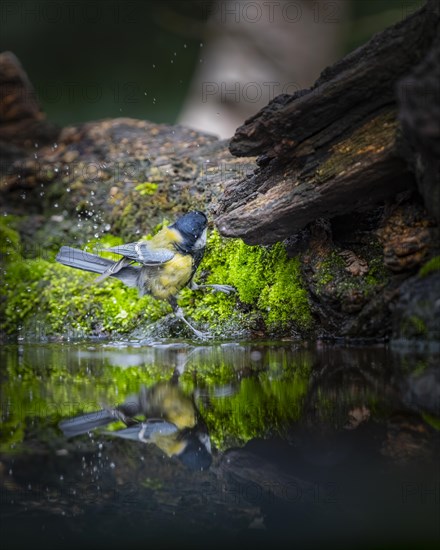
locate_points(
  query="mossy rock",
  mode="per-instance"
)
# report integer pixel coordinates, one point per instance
(44, 300)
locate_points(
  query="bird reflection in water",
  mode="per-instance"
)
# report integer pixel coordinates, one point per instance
(161, 414)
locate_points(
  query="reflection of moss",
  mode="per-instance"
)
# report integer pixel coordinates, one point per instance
(45, 385)
(414, 327)
(259, 407)
(430, 267)
(433, 421)
(49, 392)
(337, 404)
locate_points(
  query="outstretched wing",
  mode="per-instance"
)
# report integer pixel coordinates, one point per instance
(143, 253)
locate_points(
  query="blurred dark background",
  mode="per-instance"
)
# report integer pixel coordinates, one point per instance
(147, 59)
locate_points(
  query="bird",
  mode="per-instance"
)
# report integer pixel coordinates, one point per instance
(171, 421)
(160, 266)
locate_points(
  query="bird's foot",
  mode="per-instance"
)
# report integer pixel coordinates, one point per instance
(226, 289)
(198, 333)
(201, 335)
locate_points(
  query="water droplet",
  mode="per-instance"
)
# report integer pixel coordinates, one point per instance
(112, 465)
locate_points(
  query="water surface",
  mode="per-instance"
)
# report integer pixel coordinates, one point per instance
(302, 444)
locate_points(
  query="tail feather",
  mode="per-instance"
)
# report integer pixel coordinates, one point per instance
(86, 422)
(79, 259)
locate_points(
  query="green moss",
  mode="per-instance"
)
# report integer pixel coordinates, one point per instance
(9, 240)
(47, 297)
(146, 188)
(61, 300)
(268, 285)
(331, 275)
(430, 267)
(328, 269)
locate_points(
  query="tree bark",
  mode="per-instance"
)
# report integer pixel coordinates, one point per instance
(334, 148)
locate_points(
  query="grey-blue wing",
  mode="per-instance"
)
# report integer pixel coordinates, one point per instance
(143, 253)
(144, 431)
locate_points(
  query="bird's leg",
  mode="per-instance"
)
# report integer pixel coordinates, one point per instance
(227, 289)
(179, 314)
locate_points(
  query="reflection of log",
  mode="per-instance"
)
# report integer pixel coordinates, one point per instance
(331, 149)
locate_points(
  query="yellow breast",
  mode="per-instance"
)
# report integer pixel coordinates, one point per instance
(171, 277)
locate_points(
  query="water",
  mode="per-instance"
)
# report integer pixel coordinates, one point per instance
(251, 443)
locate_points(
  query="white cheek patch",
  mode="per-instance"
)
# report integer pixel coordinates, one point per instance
(201, 241)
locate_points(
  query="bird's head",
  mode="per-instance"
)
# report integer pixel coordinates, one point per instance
(192, 226)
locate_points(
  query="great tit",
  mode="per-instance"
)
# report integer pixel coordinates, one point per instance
(165, 264)
(170, 420)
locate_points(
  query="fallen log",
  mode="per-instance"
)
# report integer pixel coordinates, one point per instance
(335, 148)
